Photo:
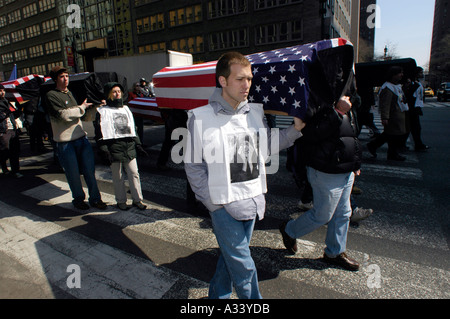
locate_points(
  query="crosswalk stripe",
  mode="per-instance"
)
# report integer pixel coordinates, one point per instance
(106, 272)
(195, 233)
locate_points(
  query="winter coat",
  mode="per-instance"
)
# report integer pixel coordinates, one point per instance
(330, 144)
(390, 110)
(119, 149)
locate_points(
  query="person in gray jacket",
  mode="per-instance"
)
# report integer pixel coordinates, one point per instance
(226, 170)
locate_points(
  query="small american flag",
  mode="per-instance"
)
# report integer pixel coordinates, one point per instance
(280, 80)
(24, 88)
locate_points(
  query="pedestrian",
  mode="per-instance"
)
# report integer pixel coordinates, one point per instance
(392, 107)
(74, 150)
(135, 92)
(9, 135)
(115, 133)
(231, 187)
(333, 158)
(145, 88)
(414, 96)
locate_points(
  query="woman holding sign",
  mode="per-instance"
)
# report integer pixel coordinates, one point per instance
(119, 145)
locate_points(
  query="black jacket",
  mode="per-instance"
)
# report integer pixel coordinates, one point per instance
(330, 142)
(6, 113)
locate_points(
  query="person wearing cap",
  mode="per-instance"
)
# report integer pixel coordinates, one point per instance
(119, 145)
(74, 150)
(9, 135)
(145, 89)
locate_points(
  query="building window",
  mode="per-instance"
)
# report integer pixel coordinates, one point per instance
(50, 25)
(36, 51)
(20, 55)
(14, 16)
(154, 47)
(279, 32)
(45, 5)
(185, 15)
(264, 4)
(7, 58)
(17, 36)
(3, 21)
(228, 39)
(39, 69)
(29, 10)
(4, 40)
(33, 31)
(152, 23)
(223, 8)
(189, 45)
(53, 47)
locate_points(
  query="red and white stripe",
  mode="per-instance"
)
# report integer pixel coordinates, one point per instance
(145, 107)
(185, 87)
(10, 86)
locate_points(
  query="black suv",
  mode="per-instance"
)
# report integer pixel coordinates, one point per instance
(443, 92)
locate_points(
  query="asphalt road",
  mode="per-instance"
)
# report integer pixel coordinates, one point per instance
(50, 250)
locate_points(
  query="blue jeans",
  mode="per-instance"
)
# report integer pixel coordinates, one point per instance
(77, 157)
(331, 199)
(235, 265)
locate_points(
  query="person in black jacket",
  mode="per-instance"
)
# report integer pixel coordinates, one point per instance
(333, 157)
(9, 136)
(119, 145)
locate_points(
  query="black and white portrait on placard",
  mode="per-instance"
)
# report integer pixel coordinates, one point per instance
(244, 164)
(121, 125)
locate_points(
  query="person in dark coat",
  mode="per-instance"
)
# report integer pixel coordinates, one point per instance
(393, 107)
(9, 136)
(333, 158)
(119, 145)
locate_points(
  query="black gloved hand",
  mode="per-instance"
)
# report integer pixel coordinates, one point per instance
(140, 150)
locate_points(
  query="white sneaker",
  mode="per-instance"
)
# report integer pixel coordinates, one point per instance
(305, 206)
(359, 214)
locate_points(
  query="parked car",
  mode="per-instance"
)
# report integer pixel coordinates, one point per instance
(429, 92)
(443, 92)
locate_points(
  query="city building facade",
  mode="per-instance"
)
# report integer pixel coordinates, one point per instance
(439, 70)
(38, 34)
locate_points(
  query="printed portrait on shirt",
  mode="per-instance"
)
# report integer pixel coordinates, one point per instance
(244, 164)
(121, 125)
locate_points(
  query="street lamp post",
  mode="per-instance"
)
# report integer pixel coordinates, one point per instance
(73, 47)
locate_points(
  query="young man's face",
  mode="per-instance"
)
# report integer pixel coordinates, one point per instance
(63, 80)
(2, 93)
(237, 86)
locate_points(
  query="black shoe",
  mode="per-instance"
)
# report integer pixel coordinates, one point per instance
(396, 157)
(81, 205)
(372, 150)
(140, 205)
(289, 242)
(100, 205)
(342, 261)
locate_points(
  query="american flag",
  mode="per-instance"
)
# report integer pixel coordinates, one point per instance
(145, 107)
(280, 80)
(24, 88)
